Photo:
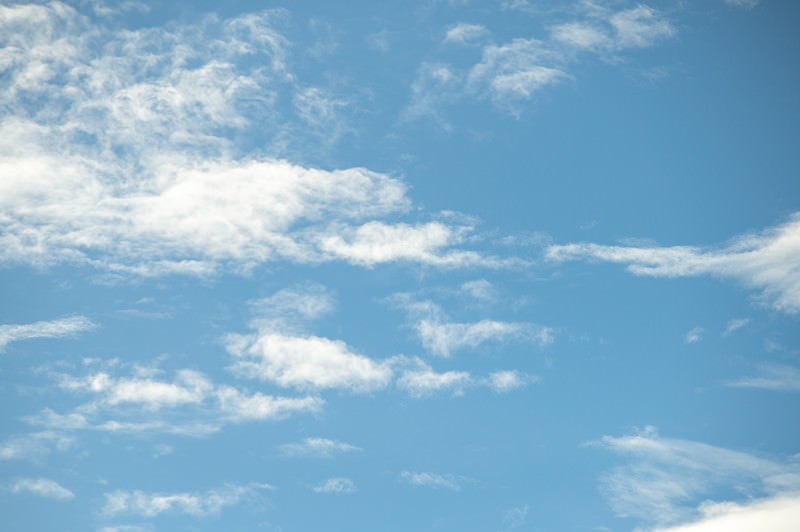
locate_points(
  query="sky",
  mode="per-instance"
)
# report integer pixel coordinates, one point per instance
(419, 265)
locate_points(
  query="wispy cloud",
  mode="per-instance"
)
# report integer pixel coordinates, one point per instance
(734, 325)
(339, 485)
(42, 487)
(512, 72)
(190, 404)
(63, 327)
(149, 504)
(766, 261)
(775, 377)
(694, 335)
(667, 478)
(746, 4)
(442, 337)
(424, 381)
(34, 446)
(463, 33)
(432, 480)
(317, 448)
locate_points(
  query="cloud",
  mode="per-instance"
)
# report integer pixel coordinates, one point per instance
(506, 381)
(694, 335)
(45, 329)
(442, 337)
(463, 33)
(306, 362)
(423, 381)
(190, 404)
(292, 307)
(515, 517)
(766, 261)
(515, 70)
(317, 448)
(666, 478)
(480, 289)
(148, 505)
(746, 4)
(432, 480)
(34, 446)
(640, 27)
(42, 487)
(734, 325)
(776, 514)
(336, 485)
(774, 377)
(144, 170)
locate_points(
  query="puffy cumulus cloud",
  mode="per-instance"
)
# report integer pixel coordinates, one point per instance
(508, 380)
(666, 478)
(306, 362)
(44, 329)
(43, 487)
(148, 504)
(190, 404)
(776, 514)
(766, 261)
(127, 151)
(317, 448)
(339, 485)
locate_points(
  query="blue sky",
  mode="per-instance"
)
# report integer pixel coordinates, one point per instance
(422, 265)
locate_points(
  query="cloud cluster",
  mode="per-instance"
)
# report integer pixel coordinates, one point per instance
(141, 167)
(42, 487)
(766, 261)
(515, 71)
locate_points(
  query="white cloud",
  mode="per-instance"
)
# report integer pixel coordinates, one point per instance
(480, 289)
(694, 335)
(666, 477)
(639, 27)
(463, 33)
(336, 485)
(772, 377)
(306, 362)
(580, 35)
(147, 504)
(34, 446)
(423, 381)
(432, 480)
(291, 307)
(317, 448)
(190, 404)
(44, 329)
(515, 70)
(135, 169)
(515, 517)
(766, 261)
(746, 4)
(780, 513)
(507, 380)
(42, 487)
(734, 325)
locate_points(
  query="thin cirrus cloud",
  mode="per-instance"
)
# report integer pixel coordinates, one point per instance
(42, 487)
(338, 485)
(432, 480)
(317, 448)
(766, 261)
(464, 33)
(59, 328)
(666, 480)
(137, 172)
(775, 377)
(151, 504)
(420, 380)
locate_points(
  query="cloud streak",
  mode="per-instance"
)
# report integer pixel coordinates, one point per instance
(64, 327)
(766, 261)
